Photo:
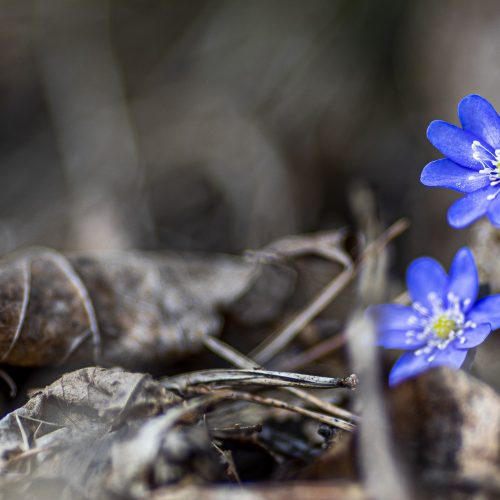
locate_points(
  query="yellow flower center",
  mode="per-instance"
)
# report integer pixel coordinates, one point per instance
(443, 326)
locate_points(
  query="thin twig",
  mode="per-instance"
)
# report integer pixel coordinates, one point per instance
(279, 340)
(282, 405)
(326, 244)
(327, 346)
(227, 456)
(315, 353)
(227, 352)
(29, 453)
(22, 430)
(219, 378)
(376, 456)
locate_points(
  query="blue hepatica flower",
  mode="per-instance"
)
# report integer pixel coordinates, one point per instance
(472, 163)
(444, 320)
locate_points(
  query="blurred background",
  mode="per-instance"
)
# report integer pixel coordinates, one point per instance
(222, 125)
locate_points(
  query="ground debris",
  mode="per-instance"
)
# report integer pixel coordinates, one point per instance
(485, 242)
(107, 433)
(447, 426)
(124, 308)
(290, 491)
(73, 430)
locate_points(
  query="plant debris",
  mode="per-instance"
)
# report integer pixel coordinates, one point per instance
(106, 432)
(127, 309)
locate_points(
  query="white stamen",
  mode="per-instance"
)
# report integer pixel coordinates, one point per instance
(491, 165)
(420, 309)
(492, 196)
(452, 311)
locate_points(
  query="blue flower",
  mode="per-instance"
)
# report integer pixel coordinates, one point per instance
(472, 163)
(444, 320)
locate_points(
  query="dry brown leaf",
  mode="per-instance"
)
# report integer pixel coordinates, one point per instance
(127, 309)
(98, 432)
(447, 425)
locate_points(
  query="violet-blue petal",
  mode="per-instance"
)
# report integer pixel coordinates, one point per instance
(474, 336)
(447, 174)
(463, 281)
(398, 339)
(486, 310)
(409, 365)
(391, 316)
(454, 143)
(479, 117)
(450, 357)
(494, 210)
(469, 208)
(425, 276)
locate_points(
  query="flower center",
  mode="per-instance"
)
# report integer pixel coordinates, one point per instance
(443, 326)
(491, 165)
(438, 326)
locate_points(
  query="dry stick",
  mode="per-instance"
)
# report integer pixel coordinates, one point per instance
(282, 405)
(227, 456)
(22, 430)
(376, 457)
(279, 340)
(240, 360)
(29, 453)
(321, 244)
(315, 353)
(230, 377)
(323, 299)
(24, 437)
(327, 346)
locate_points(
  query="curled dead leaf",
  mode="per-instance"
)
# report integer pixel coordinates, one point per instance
(127, 309)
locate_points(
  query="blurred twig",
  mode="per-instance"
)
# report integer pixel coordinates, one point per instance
(382, 476)
(280, 339)
(327, 346)
(312, 244)
(315, 353)
(96, 139)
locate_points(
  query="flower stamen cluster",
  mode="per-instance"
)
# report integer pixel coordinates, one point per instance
(471, 163)
(439, 325)
(444, 320)
(491, 165)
